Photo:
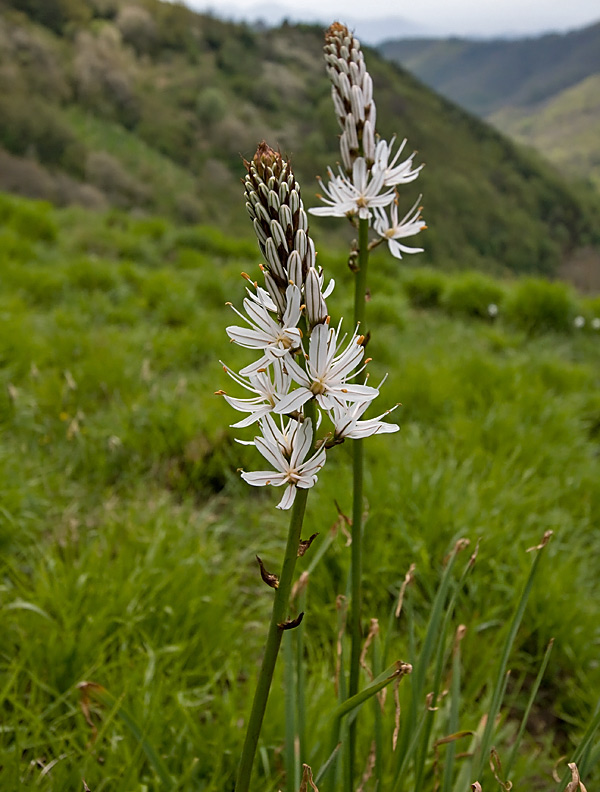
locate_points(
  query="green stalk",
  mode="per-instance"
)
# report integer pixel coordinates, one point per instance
(378, 728)
(274, 636)
(360, 289)
(300, 691)
(289, 686)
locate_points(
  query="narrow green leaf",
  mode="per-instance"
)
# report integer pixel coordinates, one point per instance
(532, 697)
(102, 695)
(454, 710)
(582, 748)
(29, 606)
(499, 686)
(421, 663)
(327, 765)
(395, 671)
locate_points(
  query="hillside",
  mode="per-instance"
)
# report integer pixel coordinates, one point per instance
(485, 76)
(565, 129)
(147, 106)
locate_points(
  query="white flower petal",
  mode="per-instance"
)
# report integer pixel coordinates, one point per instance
(261, 478)
(289, 496)
(293, 401)
(272, 453)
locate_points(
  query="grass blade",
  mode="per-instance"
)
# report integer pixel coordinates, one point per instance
(500, 684)
(395, 671)
(422, 663)
(532, 697)
(99, 693)
(582, 748)
(454, 710)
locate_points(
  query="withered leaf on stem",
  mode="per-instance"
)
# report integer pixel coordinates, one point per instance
(496, 768)
(269, 578)
(545, 539)
(575, 784)
(305, 544)
(289, 625)
(84, 703)
(307, 778)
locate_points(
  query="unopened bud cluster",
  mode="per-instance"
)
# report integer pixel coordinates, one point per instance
(300, 358)
(365, 186)
(352, 94)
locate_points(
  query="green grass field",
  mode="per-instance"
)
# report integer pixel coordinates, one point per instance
(128, 542)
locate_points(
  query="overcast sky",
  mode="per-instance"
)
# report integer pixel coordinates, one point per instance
(440, 17)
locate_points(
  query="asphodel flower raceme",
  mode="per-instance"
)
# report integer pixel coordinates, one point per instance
(300, 358)
(365, 185)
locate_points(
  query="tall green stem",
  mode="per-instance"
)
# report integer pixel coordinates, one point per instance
(274, 636)
(360, 290)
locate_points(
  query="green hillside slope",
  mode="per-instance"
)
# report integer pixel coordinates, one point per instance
(484, 76)
(566, 128)
(147, 106)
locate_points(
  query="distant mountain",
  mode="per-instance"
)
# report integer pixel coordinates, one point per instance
(565, 128)
(543, 92)
(485, 76)
(371, 30)
(148, 106)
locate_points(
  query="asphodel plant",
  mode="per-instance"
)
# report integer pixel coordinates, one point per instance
(364, 190)
(304, 395)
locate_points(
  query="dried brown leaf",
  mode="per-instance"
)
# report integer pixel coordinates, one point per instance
(575, 784)
(305, 544)
(545, 539)
(369, 768)
(307, 779)
(408, 578)
(373, 631)
(291, 623)
(496, 768)
(268, 577)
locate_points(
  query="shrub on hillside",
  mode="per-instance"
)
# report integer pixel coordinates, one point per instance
(472, 294)
(424, 288)
(211, 105)
(137, 28)
(590, 309)
(536, 306)
(30, 127)
(32, 221)
(103, 75)
(55, 14)
(109, 175)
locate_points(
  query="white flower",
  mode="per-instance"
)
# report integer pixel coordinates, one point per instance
(596, 323)
(345, 419)
(579, 322)
(286, 449)
(393, 174)
(492, 310)
(357, 195)
(326, 373)
(265, 332)
(269, 386)
(392, 229)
